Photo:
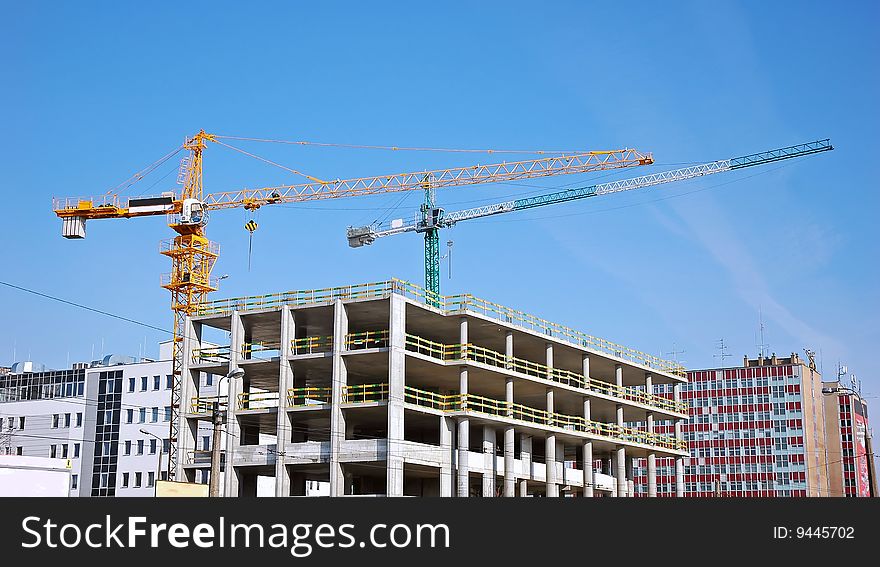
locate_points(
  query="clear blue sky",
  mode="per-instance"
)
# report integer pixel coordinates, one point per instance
(95, 91)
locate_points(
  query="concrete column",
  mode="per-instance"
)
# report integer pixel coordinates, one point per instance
(508, 348)
(285, 381)
(550, 447)
(630, 484)
(618, 379)
(652, 458)
(525, 457)
(612, 471)
(679, 461)
(509, 479)
(447, 426)
(396, 385)
(233, 429)
(489, 461)
(585, 370)
(189, 388)
(588, 447)
(463, 437)
(620, 473)
(339, 380)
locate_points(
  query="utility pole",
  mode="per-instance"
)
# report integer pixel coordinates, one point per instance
(217, 419)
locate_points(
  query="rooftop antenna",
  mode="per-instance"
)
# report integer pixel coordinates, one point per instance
(674, 354)
(722, 350)
(762, 346)
(811, 356)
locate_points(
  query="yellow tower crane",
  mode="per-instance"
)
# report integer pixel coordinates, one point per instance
(193, 255)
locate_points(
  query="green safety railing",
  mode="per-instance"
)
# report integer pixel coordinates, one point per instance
(260, 350)
(212, 355)
(309, 396)
(444, 304)
(479, 354)
(364, 393)
(366, 339)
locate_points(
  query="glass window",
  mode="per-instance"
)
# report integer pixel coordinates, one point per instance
(155, 415)
(129, 415)
(156, 382)
(74, 481)
(142, 415)
(79, 419)
(137, 480)
(55, 419)
(169, 381)
(128, 447)
(209, 380)
(166, 445)
(125, 480)
(151, 478)
(143, 383)
(64, 451)
(53, 449)
(140, 447)
(67, 420)
(76, 450)
(131, 382)
(167, 413)
(152, 446)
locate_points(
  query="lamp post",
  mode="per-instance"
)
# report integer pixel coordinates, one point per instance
(159, 465)
(217, 420)
(869, 450)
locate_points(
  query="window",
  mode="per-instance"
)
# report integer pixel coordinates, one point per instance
(137, 480)
(20, 423)
(131, 382)
(209, 380)
(129, 415)
(166, 445)
(18, 450)
(206, 443)
(74, 481)
(53, 451)
(156, 382)
(55, 419)
(167, 413)
(67, 420)
(11, 423)
(128, 447)
(143, 383)
(142, 415)
(151, 478)
(152, 446)
(76, 450)
(140, 447)
(125, 480)
(169, 381)
(155, 415)
(64, 451)
(79, 419)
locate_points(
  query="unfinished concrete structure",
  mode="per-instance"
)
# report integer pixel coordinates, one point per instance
(380, 389)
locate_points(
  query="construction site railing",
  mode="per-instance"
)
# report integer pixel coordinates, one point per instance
(257, 400)
(366, 339)
(311, 345)
(313, 396)
(212, 355)
(479, 354)
(205, 404)
(262, 350)
(364, 393)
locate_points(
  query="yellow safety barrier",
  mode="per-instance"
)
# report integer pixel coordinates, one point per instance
(444, 304)
(257, 400)
(260, 350)
(311, 345)
(366, 339)
(211, 355)
(308, 396)
(205, 405)
(479, 354)
(364, 393)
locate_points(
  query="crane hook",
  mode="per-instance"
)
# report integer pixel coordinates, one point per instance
(250, 226)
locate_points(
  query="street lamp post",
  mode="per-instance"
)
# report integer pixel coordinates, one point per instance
(217, 420)
(869, 450)
(159, 451)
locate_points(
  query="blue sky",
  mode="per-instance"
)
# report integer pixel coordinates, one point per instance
(95, 91)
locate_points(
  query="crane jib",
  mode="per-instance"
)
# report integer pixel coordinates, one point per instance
(781, 154)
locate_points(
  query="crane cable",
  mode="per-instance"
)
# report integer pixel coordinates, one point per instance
(400, 148)
(270, 162)
(144, 172)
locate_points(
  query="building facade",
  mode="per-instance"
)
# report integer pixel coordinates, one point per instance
(754, 430)
(93, 415)
(850, 455)
(379, 389)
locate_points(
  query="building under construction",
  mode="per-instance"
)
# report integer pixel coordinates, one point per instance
(382, 389)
